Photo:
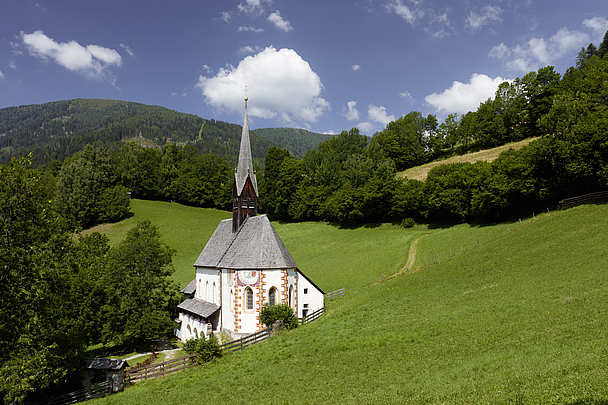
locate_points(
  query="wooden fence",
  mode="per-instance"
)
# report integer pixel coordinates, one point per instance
(240, 344)
(598, 197)
(334, 294)
(96, 390)
(160, 369)
(311, 317)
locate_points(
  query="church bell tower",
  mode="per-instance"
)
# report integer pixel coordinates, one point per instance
(245, 189)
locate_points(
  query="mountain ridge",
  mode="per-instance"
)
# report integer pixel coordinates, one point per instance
(58, 129)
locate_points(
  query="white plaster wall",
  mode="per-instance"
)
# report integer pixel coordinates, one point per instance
(204, 275)
(248, 317)
(273, 279)
(292, 276)
(193, 322)
(227, 314)
(314, 297)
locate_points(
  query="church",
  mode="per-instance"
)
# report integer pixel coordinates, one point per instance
(243, 266)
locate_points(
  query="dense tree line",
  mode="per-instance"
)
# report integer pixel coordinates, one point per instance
(351, 181)
(60, 293)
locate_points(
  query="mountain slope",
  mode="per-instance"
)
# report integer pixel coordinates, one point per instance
(59, 129)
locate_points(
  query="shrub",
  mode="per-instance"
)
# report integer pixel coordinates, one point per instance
(206, 349)
(408, 223)
(281, 312)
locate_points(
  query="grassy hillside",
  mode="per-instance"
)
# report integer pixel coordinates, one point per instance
(512, 313)
(487, 155)
(316, 247)
(59, 129)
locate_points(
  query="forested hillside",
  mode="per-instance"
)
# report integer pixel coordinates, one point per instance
(56, 130)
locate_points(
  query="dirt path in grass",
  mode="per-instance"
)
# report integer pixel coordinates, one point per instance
(411, 260)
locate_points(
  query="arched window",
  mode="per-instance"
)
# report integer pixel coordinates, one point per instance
(272, 296)
(213, 296)
(207, 290)
(196, 333)
(248, 298)
(290, 298)
(189, 331)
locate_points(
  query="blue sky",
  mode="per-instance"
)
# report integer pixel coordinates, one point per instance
(321, 65)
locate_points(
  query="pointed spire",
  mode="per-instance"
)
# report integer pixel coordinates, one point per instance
(245, 165)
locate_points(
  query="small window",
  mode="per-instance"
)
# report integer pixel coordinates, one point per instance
(305, 306)
(290, 296)
(306, 291)
(272, 296)
(249, 298)
(231, 300)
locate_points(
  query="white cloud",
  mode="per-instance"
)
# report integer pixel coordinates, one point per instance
(280, 84)
(499, 51)
(356, 67)
(464, 97)
(248, 49)
(407, 95)
(404, 11)
(253, 6)
(1, 75)
(15, 48)
(330, 132)
(207, 69)
(279, 21)
(486, 15)
(537, 52)
(91, 60)
(378, 113)
(127, 49)
(12, 65)
(248, 28)
(599, 25)
(226, 16)
(366, 127)
(352, 114)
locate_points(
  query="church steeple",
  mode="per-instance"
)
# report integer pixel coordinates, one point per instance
(245, 190)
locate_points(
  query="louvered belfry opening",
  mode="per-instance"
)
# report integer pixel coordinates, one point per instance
(245, 190)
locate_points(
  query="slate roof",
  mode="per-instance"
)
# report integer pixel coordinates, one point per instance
(256, 245)
(190, 288)
(245, 165)
(198, 307)
(105, 364)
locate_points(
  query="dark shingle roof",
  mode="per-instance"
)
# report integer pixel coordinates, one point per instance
(198, 307)
(256, 245)
(245, 165)
(105, 364)
(190, 288)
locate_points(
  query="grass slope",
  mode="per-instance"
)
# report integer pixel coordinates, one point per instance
(487, 155)
(512, 313)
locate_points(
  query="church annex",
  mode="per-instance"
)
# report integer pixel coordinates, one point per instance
(243, 266)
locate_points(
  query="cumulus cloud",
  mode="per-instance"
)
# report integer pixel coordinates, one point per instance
(127, 49)
(352, 114)
(464, 97)
(207, 69)
(406, 95)
(91, 59)
(356, 67)
(486, 15)
(280, 84)
(248, 28)
(366, 127)
(537, 52)
(379, 114)
(279, 21)
(408, 13)
(597, 24)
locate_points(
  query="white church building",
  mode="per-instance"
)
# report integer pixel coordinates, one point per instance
(243, 266)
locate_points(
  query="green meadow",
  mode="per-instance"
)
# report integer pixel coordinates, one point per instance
(507, 313)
